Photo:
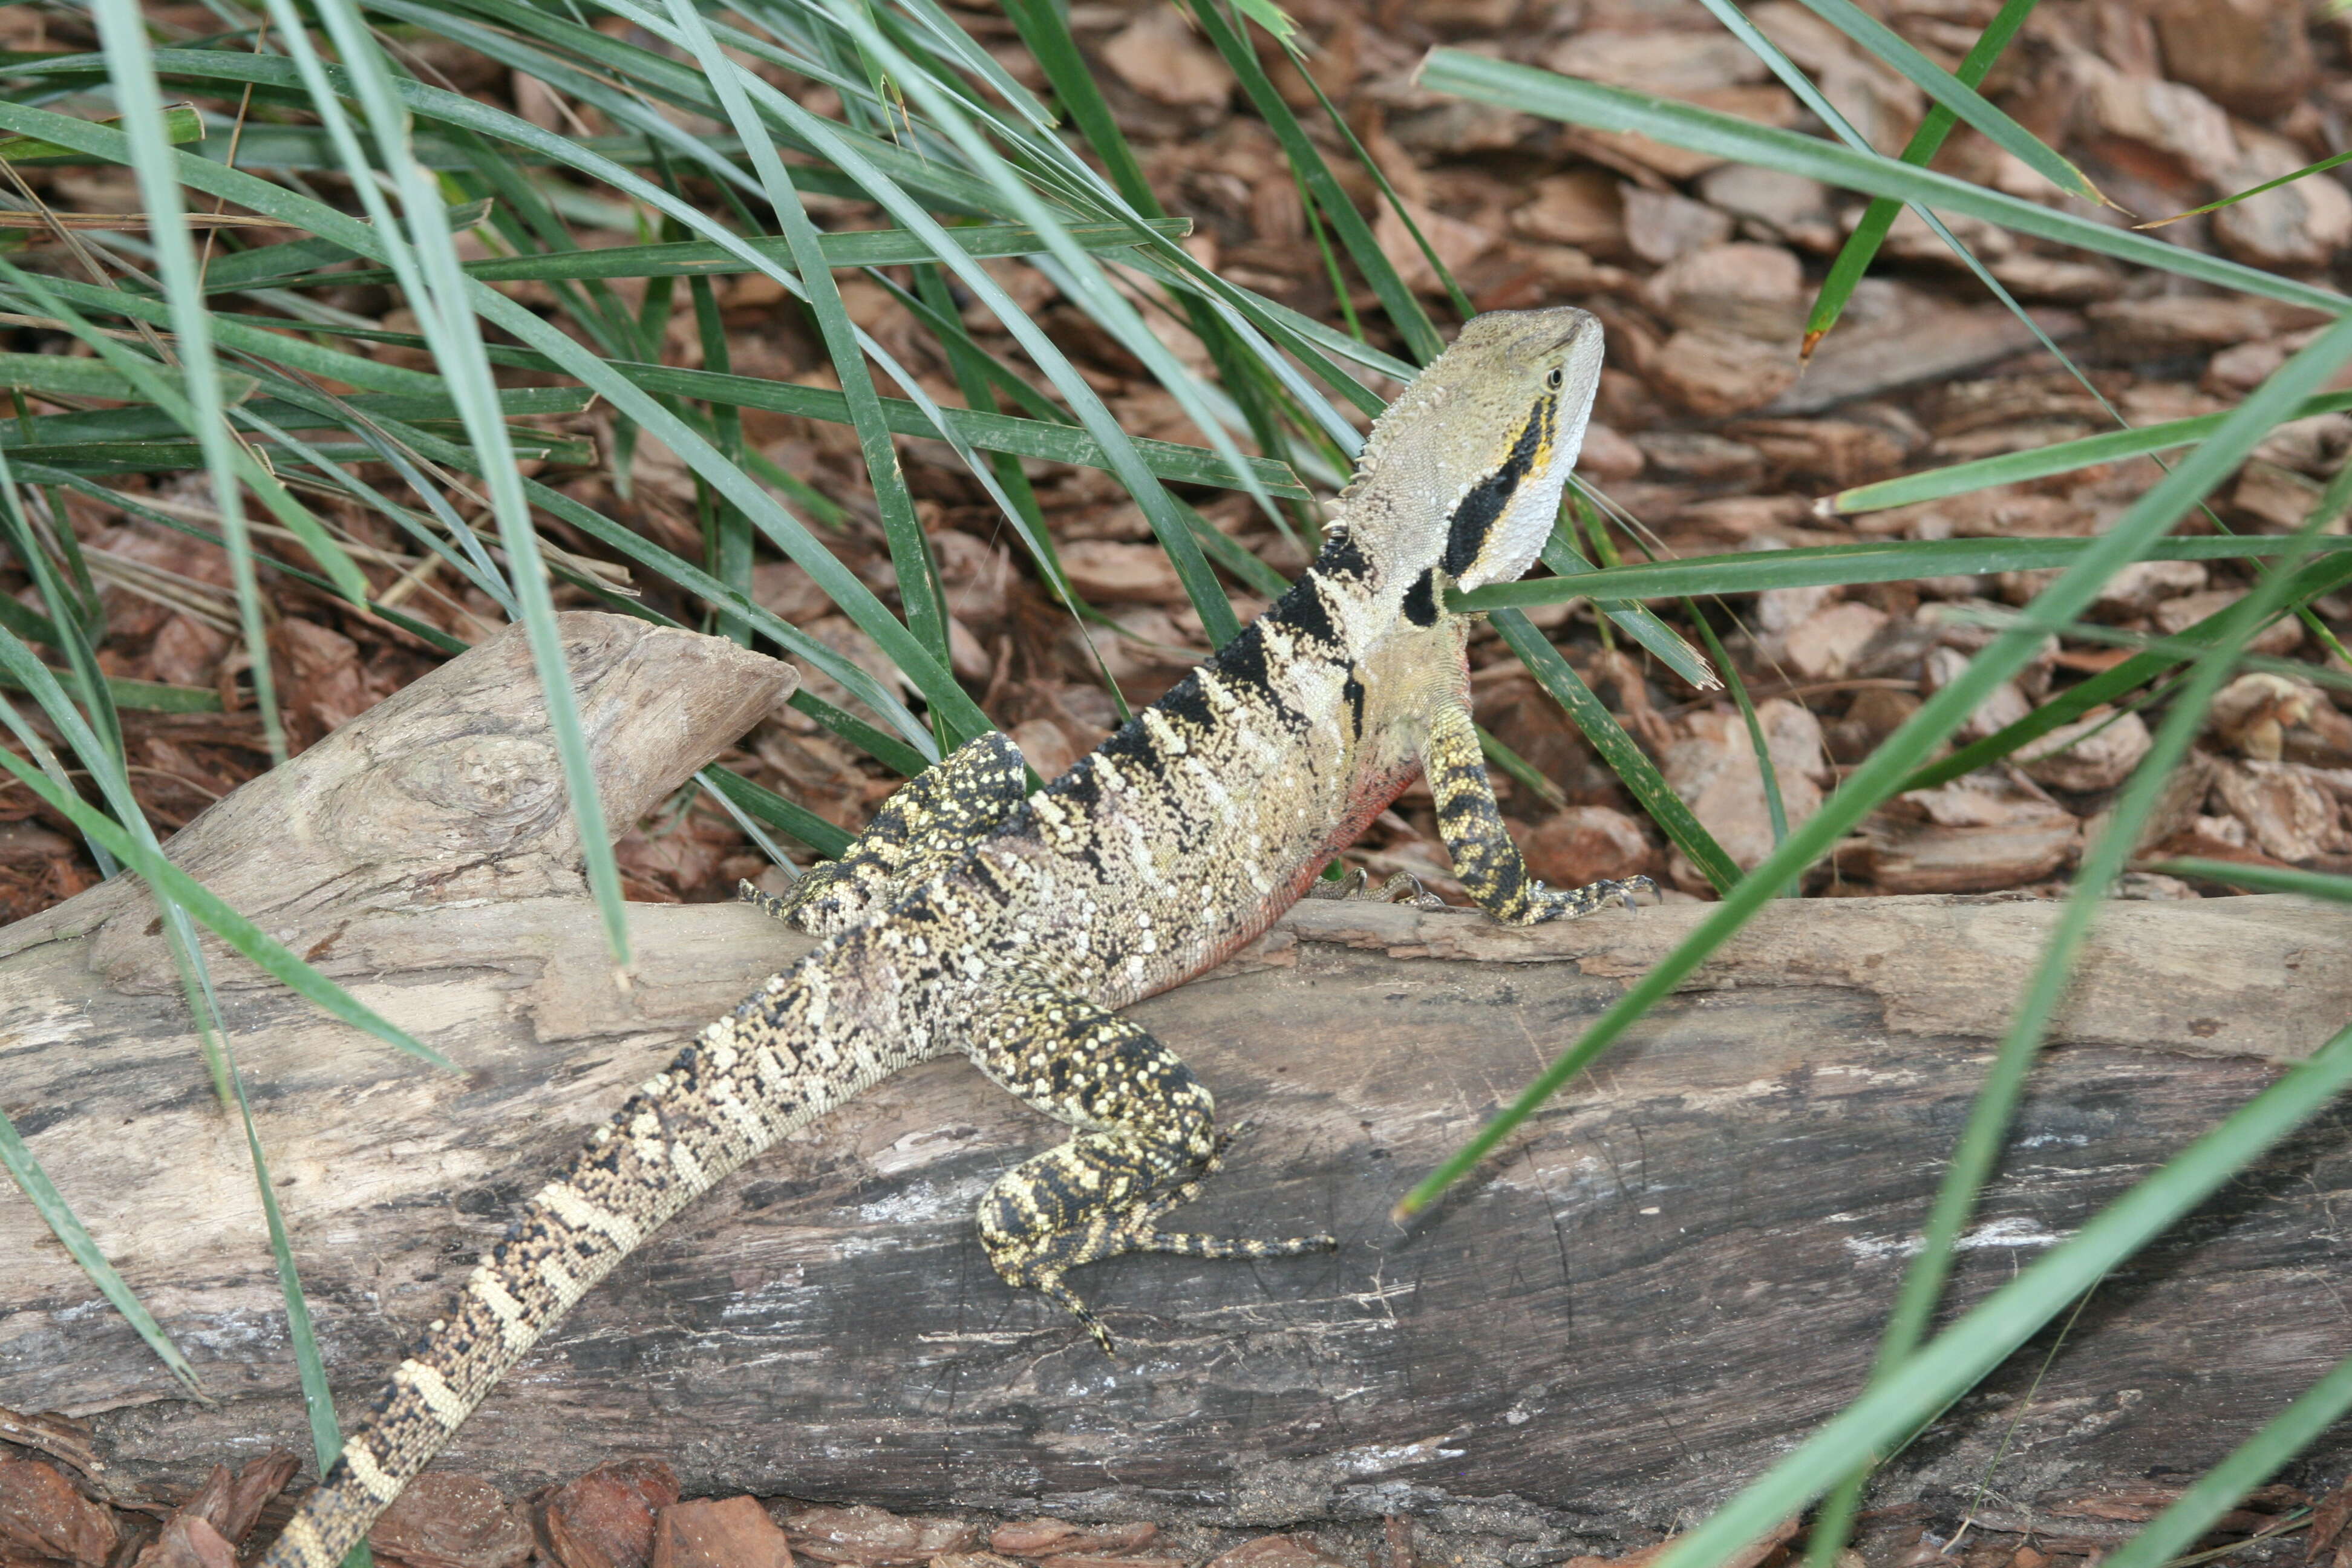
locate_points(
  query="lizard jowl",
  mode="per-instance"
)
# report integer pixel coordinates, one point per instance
(976, 917)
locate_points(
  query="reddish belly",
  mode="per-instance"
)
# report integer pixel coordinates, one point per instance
(1373, 798)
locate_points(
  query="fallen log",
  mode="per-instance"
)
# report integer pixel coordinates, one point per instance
(1677, 1268)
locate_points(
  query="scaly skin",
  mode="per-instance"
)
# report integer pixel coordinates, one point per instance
(969, 918)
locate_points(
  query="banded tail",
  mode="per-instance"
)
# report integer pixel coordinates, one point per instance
(751, 1077)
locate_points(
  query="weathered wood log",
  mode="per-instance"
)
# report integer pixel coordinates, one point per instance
(1679, 1267)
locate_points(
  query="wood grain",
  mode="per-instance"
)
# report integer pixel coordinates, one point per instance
(1676, 1269)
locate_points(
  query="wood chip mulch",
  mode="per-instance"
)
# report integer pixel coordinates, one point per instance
(627, 1514)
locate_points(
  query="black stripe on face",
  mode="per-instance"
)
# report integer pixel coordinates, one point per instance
(1353, 691)
(1474, 519)
(1421, 600)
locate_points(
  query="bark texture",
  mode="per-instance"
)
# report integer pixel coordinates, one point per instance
(1677, 1269)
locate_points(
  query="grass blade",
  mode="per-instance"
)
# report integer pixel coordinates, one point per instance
(1625, 759)
(2324, 575)
(1955, 97)
(1555, 97)
(122, 35)
(920, 595)
(2040, 462)
(1986, 1334)
(2133, 535)
(69, 628)
(777, 811)
(1045, 32)
(181, 124)
(1159, 508)
(59, 1216)
(561, 351)
(423, 251)
(1854, 256)
(2259, 878)
(701, 258)
(2219, 1489)
(1404, 311)
(318, 1401)
(1996, 1103)
(1872, 560)
(1812, 97)
(1561, 557)
(144, 696)
(132, 842)
(989, 432)
(56, 374)
(2235, 197)
(147, 381)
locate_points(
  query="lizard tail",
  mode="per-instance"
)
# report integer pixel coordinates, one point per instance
(731, 1094)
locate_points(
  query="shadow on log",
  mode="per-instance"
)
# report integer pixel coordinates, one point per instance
(1678, 1268)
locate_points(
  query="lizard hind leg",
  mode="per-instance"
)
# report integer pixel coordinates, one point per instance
(927, 824)
(1147, 1142)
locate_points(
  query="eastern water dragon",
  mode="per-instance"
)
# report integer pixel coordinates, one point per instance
(974, 916)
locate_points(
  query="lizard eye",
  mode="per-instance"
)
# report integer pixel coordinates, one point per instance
(1555, 377)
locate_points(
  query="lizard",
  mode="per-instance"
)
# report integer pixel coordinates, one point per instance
(975, 915)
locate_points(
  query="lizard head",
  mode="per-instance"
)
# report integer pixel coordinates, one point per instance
(1463, 474)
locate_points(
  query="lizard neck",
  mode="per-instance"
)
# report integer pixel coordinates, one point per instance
(1343, 669)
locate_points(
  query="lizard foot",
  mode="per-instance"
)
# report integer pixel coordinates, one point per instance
(1054, 1289)
(1140, 1236)
(1567, 903)
(1034, 1238)
(1145, 1139)
(1401, 887)
(769, 904)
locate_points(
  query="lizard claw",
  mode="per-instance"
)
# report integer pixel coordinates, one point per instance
(1632, 885)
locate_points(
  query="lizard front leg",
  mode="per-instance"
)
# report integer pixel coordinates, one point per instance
(928, 823)
(1147, 1140)
(1485, 858)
